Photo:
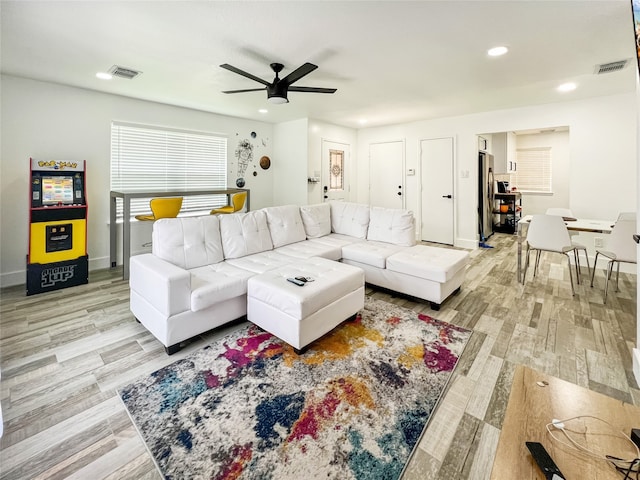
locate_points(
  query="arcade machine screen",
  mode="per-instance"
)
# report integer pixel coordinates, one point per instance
(57, 190)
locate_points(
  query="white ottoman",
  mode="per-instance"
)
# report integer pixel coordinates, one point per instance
(300, 315)
(430, 273)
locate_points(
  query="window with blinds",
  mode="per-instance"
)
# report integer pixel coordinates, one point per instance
(156, 159)
(533, 173)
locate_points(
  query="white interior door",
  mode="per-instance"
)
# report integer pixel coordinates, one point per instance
(436, 162)
(335, 168)
(386, 164)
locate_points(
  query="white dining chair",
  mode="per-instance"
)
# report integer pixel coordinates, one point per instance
(567, 214)
(621, 248)
(548, 233)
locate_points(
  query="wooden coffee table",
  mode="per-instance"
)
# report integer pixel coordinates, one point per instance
(531, 407)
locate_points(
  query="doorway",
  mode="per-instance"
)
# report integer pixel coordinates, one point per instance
(437, 212)
(386, 164)
(335, 169)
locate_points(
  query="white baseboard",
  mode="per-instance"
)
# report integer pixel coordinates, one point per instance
(99, 263)
(466, 243)
(13, 278)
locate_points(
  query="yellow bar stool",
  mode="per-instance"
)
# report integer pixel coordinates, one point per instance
(162, 208)
(237, 203)
(165, 207)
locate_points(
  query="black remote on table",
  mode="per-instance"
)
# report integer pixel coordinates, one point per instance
(544, 461)
(295, 281)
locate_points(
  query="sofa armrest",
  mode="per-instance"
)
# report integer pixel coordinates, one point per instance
(164, 285)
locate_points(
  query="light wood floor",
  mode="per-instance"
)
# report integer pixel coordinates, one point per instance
(63, 355)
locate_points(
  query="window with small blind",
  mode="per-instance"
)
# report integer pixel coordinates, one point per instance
(156, 159)
(533, 172)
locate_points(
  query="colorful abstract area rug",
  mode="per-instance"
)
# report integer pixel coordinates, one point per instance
(247, 407)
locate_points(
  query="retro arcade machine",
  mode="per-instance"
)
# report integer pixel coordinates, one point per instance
(57, 226)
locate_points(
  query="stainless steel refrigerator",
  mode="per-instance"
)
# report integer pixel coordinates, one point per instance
(485, 195)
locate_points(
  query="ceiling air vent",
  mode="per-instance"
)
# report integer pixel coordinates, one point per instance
(123, 72)
(611, 67)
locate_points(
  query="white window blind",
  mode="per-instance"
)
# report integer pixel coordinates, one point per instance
(533, 172)
(152, 158)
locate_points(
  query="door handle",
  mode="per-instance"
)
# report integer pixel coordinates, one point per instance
(636, 237)
(446, 196)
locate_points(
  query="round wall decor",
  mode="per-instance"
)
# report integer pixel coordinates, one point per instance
(265, 162)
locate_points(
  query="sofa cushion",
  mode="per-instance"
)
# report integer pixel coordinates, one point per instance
(336, 240)
(432, 263)
(309, 248)
(216, 283)
(316, 219)
(349, 218)
(244, 234)
(263, 261)
(285, 225)
(188, 242)
(392, 225)
(370, 252)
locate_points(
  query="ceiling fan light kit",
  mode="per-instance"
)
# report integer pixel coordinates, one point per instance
(277, 100)
(278, 89)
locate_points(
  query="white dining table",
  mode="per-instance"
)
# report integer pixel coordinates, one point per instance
(577, 224)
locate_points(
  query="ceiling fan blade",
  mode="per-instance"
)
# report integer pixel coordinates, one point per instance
(233, 69)
(313, 89)
(299, 72)
(246, 90)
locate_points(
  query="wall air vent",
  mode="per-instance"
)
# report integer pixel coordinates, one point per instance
(611, 67)
(123, 72)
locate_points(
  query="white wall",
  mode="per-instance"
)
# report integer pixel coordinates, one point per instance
(319, 131)
(54, 122)
(602, 151)
(560, 172)
(50, 121)
(290, 162)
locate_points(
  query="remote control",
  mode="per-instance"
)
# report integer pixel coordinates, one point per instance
(544, 461)
(295, 281)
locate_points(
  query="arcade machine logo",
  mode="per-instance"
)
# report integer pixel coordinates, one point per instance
(51, 276)
(57, 165)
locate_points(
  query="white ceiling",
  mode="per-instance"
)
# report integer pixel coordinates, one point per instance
(391, 61)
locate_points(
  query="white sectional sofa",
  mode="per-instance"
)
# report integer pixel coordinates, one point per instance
(196, 277)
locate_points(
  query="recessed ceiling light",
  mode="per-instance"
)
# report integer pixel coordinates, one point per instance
(104, 76)
(263, 110)
(362, 121)
(567, 87)
(497, 51)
